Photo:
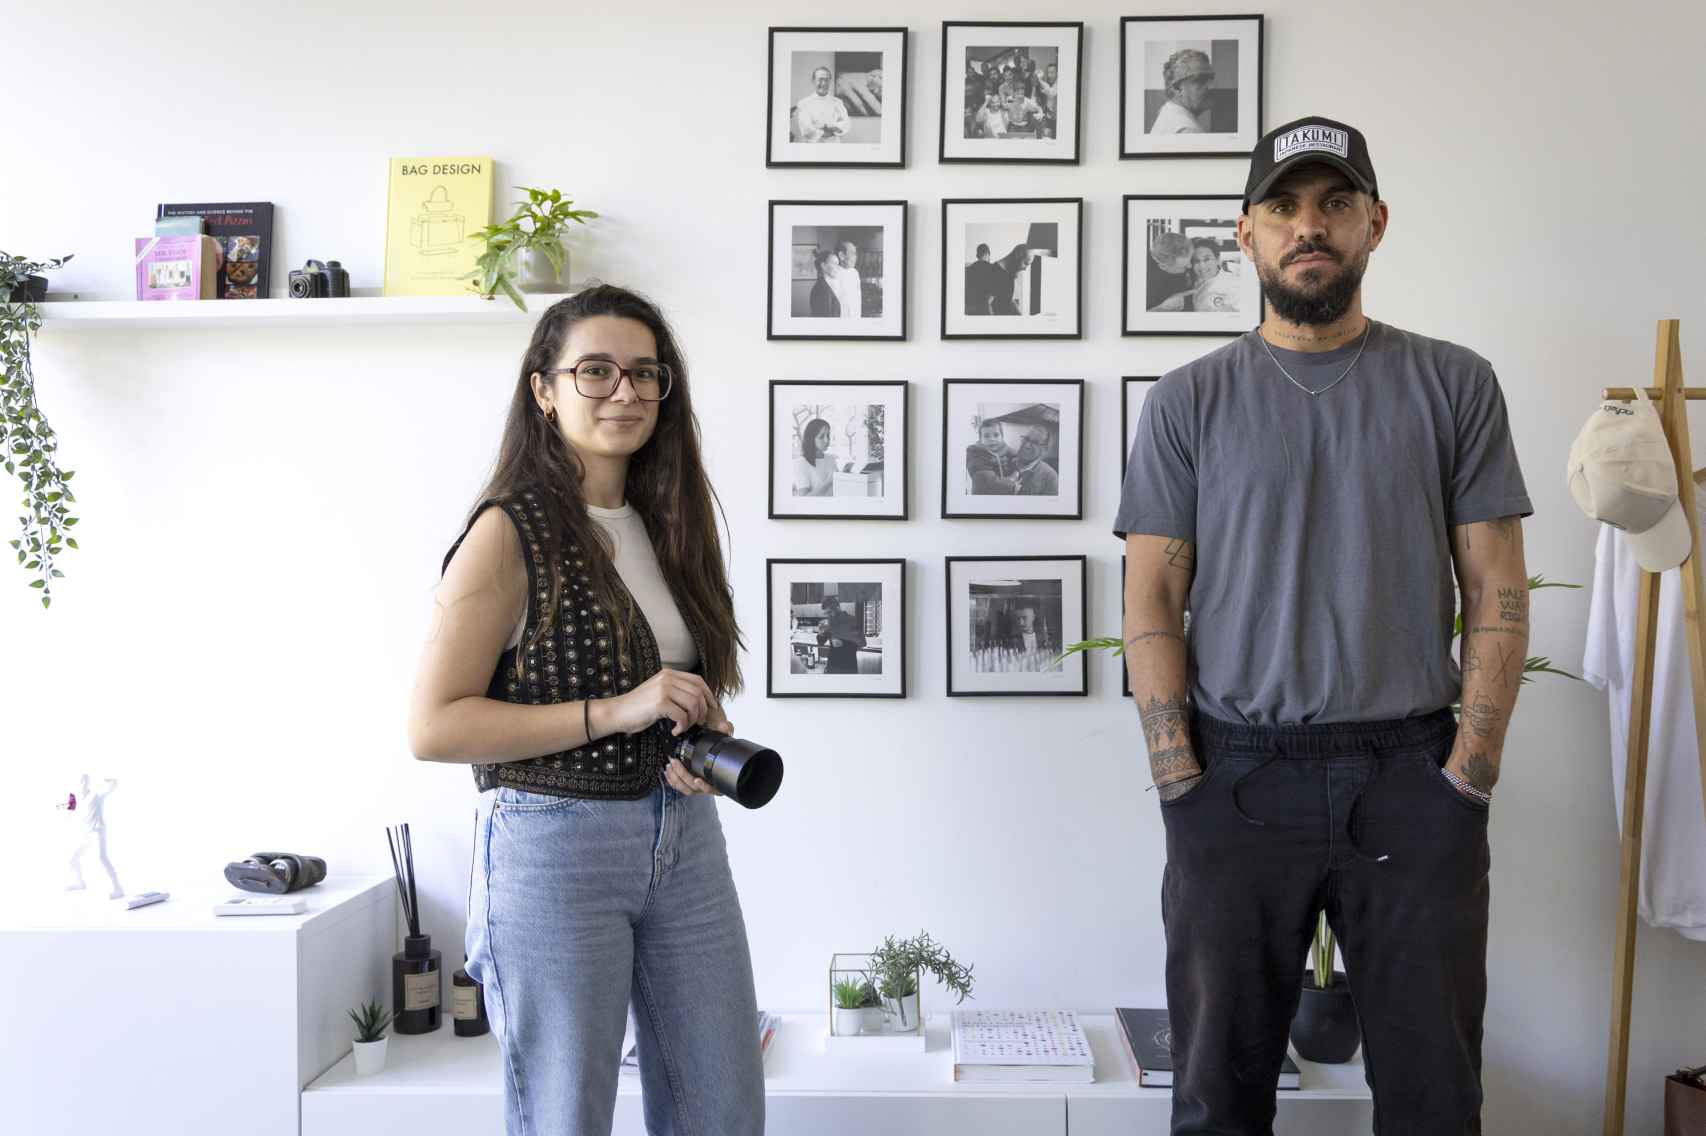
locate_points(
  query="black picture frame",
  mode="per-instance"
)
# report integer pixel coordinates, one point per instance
(1083, 690)
(1126, 329)
(903, 301)
(1079, 387)
(1076, 157)
(948, 203)
(905, 450)
(770, 564)
(1125, 417)
(902, 87)
(1239, 147)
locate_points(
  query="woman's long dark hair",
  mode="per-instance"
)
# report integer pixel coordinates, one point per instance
(666, 485)
(808, 440)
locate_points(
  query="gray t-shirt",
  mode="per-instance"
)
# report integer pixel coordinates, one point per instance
(1323, 589)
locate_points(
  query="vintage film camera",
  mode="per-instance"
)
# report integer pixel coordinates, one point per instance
(317, 278)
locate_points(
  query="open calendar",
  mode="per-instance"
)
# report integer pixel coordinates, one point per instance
(1021, 1045)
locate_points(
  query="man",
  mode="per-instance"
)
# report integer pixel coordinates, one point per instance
(1048, 88)
(839, 638)
(983, 280)
(1188, 76)
(90, 809)
(846, 281)
(1310, 489)
(991, 117)
(820, 116)
(1033, 476)
(1024, 114)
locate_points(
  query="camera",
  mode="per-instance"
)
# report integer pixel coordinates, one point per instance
(747, 773)
(317, 278)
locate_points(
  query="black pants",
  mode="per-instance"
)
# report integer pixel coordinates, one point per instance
(1357, 819)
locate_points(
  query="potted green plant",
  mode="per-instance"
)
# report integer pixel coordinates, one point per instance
(849, 1008)
(1325, 1029)
(370, 1022)
(527, 252)
(27, 443)
(898, 965)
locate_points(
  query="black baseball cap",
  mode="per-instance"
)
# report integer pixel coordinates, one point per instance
(1305, 140)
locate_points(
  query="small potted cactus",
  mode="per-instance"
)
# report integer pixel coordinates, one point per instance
(370, 1022)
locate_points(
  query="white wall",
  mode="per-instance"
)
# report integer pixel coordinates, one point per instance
(264, 513)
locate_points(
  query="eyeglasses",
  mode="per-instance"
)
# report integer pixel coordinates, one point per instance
(599, 378)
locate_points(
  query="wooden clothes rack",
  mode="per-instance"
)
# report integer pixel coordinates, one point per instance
(1671, 398)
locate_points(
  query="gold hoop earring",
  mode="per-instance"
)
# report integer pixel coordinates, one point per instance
(551, 415)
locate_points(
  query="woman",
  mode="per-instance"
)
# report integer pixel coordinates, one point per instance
(822, 301)
(814, 469)
(599, 873)
(1213, 289)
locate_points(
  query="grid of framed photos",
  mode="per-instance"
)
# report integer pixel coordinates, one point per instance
(1011, 92)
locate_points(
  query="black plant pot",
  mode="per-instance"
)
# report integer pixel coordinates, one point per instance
(32, 291)
(1325, 1030)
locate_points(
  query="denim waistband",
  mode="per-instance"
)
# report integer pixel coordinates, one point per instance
(1324, 739)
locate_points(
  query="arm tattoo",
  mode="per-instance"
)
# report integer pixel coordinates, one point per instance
(1513, 605)
(1483, 715)
(1172, 763)
(1503, 675)
(1143, 635)
(1173, 790)
(1504, 528)
(1480, 771)
(1181, 554)
(1164, 722)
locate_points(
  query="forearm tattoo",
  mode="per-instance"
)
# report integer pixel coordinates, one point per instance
(1483, 716)
(1143, 636)
(1172, 761)
(1164, 722)
(1480, 769)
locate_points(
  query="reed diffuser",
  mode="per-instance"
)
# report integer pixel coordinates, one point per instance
(417, 979)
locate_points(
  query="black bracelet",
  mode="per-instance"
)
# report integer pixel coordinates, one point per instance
(586, 718)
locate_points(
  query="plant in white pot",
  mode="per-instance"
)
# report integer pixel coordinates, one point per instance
(527, 252)
(370, 1022)
(897, 966)
(849, 1008)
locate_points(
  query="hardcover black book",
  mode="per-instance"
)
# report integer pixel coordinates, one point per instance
(1148, 1040)
(244, 232)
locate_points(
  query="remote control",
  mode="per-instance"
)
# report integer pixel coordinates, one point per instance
(261, 905)
(144, 898)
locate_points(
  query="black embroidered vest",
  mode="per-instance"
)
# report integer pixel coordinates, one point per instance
(575, 659)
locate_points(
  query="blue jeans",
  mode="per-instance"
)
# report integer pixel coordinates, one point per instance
(574, 907)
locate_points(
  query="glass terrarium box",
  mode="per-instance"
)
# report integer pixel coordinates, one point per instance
(871, 1011)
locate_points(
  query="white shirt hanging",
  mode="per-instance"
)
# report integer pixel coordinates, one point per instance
(1672, 888)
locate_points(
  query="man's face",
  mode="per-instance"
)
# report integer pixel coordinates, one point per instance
(831, 605)
(1027, 619)
(849, 254)
(1034, 444)
(1205, 265)
(1192, 93)
(874, 82)
(820, 80)
(1049, 73)
(1310, 239)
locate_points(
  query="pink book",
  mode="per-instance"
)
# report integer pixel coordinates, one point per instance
(177, 268)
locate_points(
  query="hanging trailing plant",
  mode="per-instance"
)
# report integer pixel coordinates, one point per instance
(27, 442)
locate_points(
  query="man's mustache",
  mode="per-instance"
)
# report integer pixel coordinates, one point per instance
(1307, 250)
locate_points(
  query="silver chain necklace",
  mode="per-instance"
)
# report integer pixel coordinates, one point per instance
(1367, 333)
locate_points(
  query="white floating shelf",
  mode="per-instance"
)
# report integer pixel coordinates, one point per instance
(96, 315)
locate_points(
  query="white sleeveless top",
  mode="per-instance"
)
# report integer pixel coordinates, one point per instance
(637, 564)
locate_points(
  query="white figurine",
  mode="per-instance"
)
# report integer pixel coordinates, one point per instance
(91, 828)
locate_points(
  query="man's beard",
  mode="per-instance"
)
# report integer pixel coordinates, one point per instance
(1314, 305)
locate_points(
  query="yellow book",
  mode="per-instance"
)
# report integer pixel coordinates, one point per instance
(436, 205)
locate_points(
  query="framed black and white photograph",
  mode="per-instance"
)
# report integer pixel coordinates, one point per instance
(1013, 448)
(1012, 268)
(1190, 86)
(836, 628)
(1182, 270)
(1010, 91)
(1133, 390)
(1009, 619)
(838, 450)
(837, 270)
(837, 97)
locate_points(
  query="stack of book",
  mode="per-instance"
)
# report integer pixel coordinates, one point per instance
(1021, 1045)
(1148, 1041)
(767, 1023)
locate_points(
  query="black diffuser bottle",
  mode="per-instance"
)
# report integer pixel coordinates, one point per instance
(467, 1004)
(417, 979)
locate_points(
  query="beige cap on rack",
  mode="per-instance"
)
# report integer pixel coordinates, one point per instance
(1621, 472)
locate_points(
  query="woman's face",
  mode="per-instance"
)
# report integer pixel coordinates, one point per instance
(820, 440)
(1205, 263)
(618, 424)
